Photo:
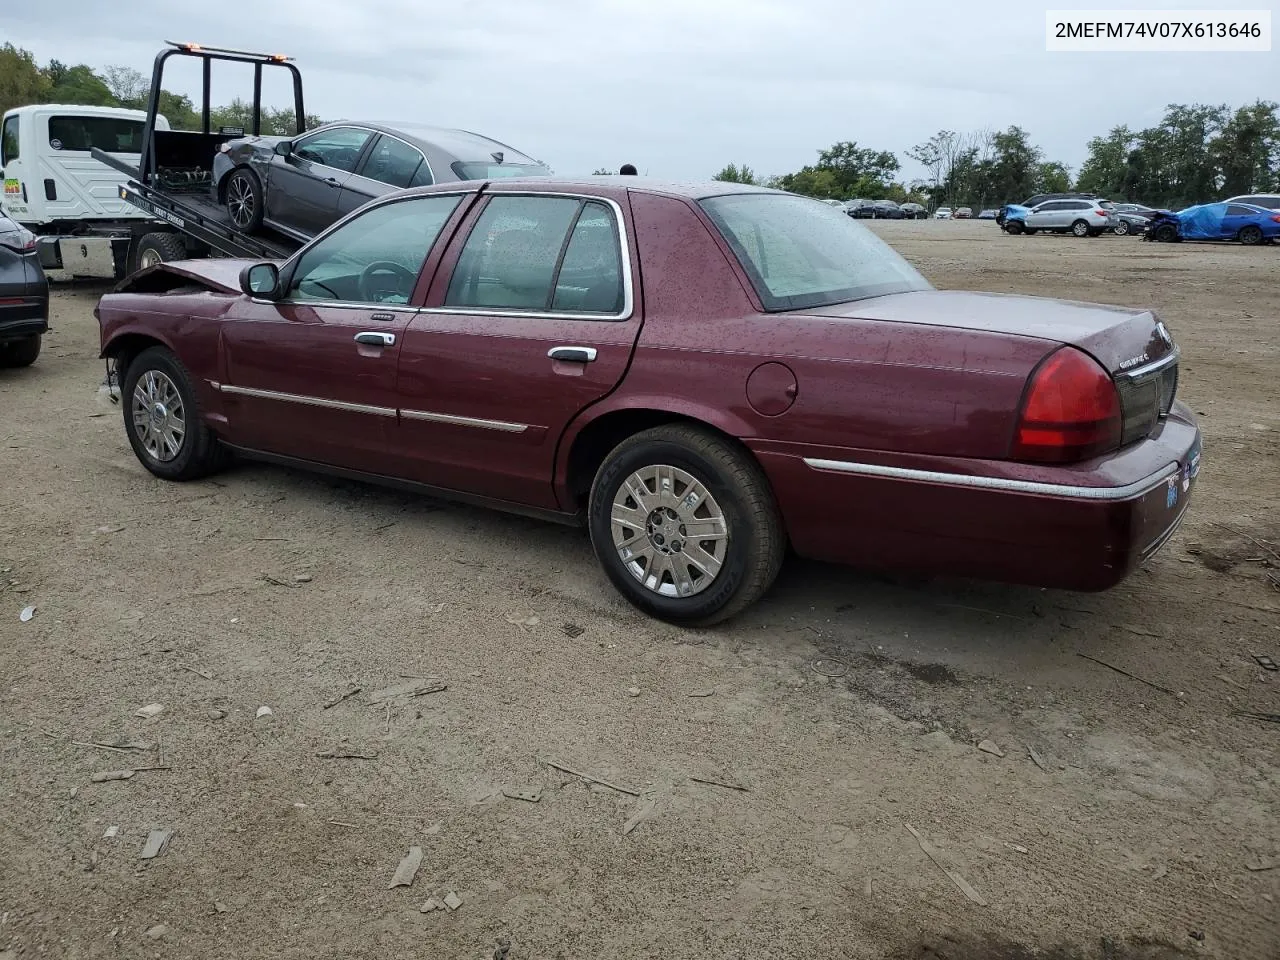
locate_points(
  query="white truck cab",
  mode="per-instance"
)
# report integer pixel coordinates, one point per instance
(54, 188)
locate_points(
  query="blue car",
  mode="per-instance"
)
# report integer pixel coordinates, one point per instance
(1215, 221)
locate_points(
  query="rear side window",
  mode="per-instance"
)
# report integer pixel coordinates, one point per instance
(111, 134)
(9, 140)
(393, 162)
(1235, 210)
(541, 254)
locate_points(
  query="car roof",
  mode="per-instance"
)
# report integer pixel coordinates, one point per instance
(689, 189)
(460, 144)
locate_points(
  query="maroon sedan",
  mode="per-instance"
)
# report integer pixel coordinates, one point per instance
(700, 373)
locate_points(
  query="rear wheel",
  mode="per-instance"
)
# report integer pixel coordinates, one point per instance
(20, 353)
(685, 525)
(1250, 236)
(1080, 228)
(244, 199)
(163, 421)
(156, 248)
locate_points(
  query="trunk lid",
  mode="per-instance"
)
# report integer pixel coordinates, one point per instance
(1134, 346)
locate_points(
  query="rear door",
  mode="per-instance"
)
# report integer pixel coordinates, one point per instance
(531, 318)
(1236, 217)
(304, 188)
(389, 164)
(313, 376)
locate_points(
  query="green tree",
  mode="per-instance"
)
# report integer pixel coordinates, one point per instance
(735, 174)
(1246, 151)
(1103, 171)
(21, 81)
(812, 182)
(1052, 177)
(858, 171)
(78, 85)
(601, 172)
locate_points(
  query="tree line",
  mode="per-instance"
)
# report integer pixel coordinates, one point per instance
(1197, 153)
(24, 82)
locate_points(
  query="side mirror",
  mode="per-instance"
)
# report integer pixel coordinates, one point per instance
(261, 280)
(284, 148)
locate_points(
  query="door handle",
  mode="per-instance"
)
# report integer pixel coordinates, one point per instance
(376, 339)
(572, 354)
(332, 181)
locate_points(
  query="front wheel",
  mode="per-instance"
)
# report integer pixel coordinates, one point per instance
(163, 421)
(1165, 233)
(20, 353)
(1013, 227)
(1122, 229)
(1250, 235)
(244, 200)
(685, 525)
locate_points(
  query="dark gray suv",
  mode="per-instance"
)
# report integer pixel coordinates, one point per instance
(24, 296)
(301, 185)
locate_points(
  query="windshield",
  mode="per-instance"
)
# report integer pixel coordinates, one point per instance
(800, 254)
(488, 170)
(111, 134)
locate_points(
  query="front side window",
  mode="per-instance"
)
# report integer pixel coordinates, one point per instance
(799, 254)
(110, 134)
(338, 148)
(9, 140)
(375, 258)
(393, 162)
(541, 254)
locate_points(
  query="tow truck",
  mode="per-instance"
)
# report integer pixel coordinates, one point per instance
(173, 181)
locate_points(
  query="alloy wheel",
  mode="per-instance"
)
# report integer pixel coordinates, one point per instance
(159, 415)
(240, 201)
(669, 532)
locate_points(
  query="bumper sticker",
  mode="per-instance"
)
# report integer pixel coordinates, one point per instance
(1171, 495)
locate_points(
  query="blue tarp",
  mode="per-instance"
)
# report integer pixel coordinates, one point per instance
(1201, 222)
(1015, 211)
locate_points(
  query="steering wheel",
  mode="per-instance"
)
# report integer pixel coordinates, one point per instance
(405, 278)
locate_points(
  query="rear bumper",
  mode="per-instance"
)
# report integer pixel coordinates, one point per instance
(1061, 529)
(22, 317)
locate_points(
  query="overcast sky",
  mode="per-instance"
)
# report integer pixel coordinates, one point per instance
(678, 87)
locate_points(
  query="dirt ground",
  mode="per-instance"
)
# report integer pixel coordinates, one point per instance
(1124, 820)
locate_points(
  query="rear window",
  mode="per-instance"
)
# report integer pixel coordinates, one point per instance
(112, 134)
(488, 170)
(801, 254)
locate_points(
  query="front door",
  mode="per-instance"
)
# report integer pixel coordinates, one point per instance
(313, 375)
(304, 188)
(531, 321)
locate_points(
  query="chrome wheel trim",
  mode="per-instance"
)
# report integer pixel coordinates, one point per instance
(240, 203)
(669, 532)
(159, 416)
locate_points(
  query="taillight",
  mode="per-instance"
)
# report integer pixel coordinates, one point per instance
(1100, 213)
(21, 240)
(1071, 411)
(1276, 219)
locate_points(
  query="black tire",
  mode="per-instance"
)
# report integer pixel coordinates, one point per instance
(1165, 233)
(1122, 229)
(199, 452)
(1250, 235)
(20, 353)
(1095, 233)
(155, 248)
(1030, 231)
(756, 541)
(244, 199)
(1080, 228)
(1014, 227)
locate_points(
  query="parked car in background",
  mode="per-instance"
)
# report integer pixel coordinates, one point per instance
(887, 210)
(1084, 218)
(1268, 201)
(301, 186)
(988, 214)
(1247, 224)
(834, 203)
(964, 213)
(1131, 218)
(1001, 437)
(861, 209)
(942, 213)
(914, 211)
(1040, 198)
(24, 296)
